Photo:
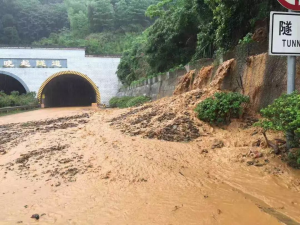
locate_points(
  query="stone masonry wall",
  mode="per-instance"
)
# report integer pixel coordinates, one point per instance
(163, 85)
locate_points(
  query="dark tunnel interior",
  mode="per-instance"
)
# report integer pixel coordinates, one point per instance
(68, 90)
(9, 84)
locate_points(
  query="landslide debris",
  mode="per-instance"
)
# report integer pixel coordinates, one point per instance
(56, 163)
(14, 133)
(173, 118)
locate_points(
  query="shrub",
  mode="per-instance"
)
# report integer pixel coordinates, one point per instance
(120, 102)
(138, 101)
(127, 101)
(284, 115)
(14, 99)
(113, 102)
(221, 108)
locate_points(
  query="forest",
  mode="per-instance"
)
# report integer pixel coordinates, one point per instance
(101, 26)
(153, 36)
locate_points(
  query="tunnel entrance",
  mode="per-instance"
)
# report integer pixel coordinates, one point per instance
(68, 90)
(9, 84)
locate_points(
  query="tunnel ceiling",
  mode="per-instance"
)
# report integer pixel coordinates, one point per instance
(68, 90)
(9, 84)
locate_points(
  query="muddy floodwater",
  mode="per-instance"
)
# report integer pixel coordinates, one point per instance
(73, 166)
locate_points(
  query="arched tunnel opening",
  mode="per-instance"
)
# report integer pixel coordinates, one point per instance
(68, 90)
(9, 84)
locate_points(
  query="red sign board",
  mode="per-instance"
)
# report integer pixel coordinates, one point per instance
(290, 4)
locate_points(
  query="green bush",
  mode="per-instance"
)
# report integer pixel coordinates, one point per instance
(122, 102)
(127, 101)
(138, 101)
(284, 115)
(14, 99)
(221, 108)
(113, 102)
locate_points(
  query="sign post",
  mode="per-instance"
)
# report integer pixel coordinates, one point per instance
(291, 73)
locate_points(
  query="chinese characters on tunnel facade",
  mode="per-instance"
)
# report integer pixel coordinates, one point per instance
(284, 33)
(33, 63)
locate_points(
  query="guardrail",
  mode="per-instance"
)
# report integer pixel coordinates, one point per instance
(25, 107)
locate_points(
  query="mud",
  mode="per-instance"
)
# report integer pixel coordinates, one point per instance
(94, 174)
(14, 133)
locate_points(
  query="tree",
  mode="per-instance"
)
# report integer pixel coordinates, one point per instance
(101, 15)
(8, 20)
(172, 38)
(10, 35)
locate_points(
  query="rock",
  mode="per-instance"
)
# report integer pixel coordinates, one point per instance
(256, 143)
(259, 164)
(20, 222)
(217, 144)
(250, 163)
(204, 151)
(35, 216)
(257, 155)
(3, 152)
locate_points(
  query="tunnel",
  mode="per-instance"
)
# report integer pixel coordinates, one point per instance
(9, 84)
(68, 90)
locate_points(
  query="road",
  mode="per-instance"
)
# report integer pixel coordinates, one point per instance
(81, 170)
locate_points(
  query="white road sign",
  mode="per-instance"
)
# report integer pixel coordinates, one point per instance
(284, 33)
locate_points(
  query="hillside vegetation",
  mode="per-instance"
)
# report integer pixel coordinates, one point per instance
(187, 30)
(102, 26)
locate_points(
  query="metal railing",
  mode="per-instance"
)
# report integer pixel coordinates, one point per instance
(25, 107)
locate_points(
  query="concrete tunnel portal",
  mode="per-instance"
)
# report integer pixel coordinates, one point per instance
(9, 83)
(68, 90)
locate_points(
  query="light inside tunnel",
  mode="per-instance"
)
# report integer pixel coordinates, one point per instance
(9, 84)
(68, 90)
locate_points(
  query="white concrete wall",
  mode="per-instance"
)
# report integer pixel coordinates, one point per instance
(100, 70)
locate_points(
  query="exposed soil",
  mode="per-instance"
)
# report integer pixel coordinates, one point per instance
(174, 119)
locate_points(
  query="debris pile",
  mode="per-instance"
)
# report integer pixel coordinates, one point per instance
(203, 77)
(14, 133)
(185, 83)
(173, 118)
(54, 162)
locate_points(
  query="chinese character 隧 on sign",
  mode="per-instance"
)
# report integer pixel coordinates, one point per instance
(25, 64)
(285, 28)
(56, 63)
(8, 64)
(41, 63)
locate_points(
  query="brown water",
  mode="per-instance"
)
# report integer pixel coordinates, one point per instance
(90, 173)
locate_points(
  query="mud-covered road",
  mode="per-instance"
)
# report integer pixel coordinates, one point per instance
(72, 166)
